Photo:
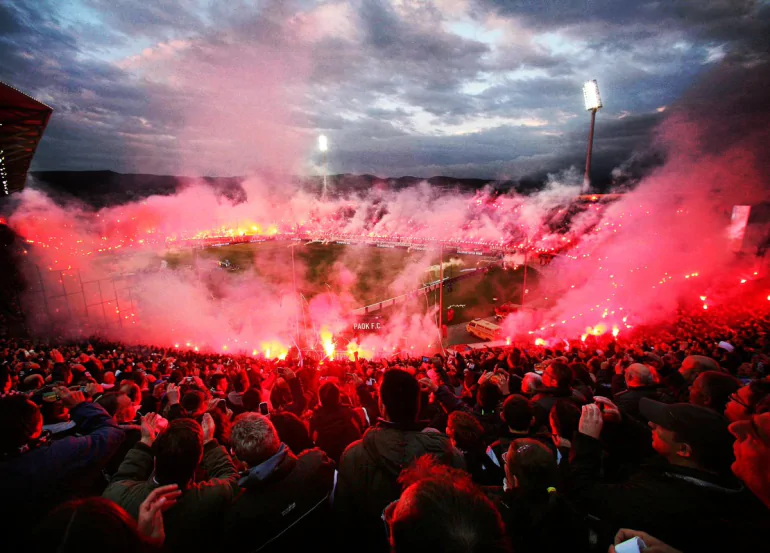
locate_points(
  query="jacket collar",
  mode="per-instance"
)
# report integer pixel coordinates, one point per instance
(702, 479)
(277, 465)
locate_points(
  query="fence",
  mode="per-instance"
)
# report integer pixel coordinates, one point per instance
(59, 298)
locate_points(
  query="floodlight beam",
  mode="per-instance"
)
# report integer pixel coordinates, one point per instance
(323, 145)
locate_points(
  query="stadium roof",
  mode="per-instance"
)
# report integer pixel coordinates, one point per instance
(22, 123)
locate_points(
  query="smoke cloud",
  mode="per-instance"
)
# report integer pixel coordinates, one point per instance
(623, 264)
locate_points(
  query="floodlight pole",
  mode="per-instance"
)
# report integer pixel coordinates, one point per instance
(326, 172)
(323, 145)
(587, 176)
(441, 298)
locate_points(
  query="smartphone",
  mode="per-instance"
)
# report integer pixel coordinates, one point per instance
(426, 359)
(264, 409)
(50, 397)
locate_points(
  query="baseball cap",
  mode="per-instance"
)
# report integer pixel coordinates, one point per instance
(697, 426)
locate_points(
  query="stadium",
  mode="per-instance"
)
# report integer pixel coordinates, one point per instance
(227, 324)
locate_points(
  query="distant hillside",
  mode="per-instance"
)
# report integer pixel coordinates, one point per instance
(102, 188)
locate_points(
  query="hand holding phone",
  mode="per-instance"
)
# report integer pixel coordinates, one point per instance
(632, 545)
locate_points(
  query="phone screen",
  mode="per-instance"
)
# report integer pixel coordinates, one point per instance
(264, 409)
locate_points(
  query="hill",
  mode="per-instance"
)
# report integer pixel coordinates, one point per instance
(103, 188)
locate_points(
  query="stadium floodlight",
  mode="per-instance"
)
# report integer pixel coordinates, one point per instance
(593, 102)
(591, 95)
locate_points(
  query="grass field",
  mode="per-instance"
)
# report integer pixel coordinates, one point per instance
(375, 270)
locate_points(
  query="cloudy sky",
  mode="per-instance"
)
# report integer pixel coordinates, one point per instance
(470, 88)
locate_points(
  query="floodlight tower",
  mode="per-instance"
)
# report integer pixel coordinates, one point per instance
(323, 145)
(593, 103)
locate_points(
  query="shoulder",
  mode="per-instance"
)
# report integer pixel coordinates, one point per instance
(433, 441)
(353, 452)
(313, 457)
(127, 490)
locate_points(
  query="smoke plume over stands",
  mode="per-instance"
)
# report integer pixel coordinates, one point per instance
(666, 241)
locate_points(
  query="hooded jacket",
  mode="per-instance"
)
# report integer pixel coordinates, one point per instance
(369, 469)
(688, 509)
(284, 504)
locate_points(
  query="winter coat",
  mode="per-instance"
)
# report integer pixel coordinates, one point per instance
(333, 430)
(33, 483)
(189, 523)
(688, 509)
(483, 469)
(284, 505)
(551, 525)
(369, 469)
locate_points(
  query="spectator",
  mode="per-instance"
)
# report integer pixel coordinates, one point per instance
(581, 380)
(219, 385)
(36, 474)
(752, 454)
(687, 502)
(175, 452)
(564, 420)
(467, 435)
(284, 503)
(32, 383)
(713, 389)
(87, 525)
(518, 415)
(640, 383)
(487, 408)
(287, 394)
(292, 431)
(693, 365)
(132, 389)
(333, 426)
(374, 462)
(6, 382)
(442, 510)
(531, 383)
(118, 405)
(533, 509)
(743, 404)
(557, 378)
(235, 397)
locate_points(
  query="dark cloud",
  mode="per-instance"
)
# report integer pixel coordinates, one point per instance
(400, 87)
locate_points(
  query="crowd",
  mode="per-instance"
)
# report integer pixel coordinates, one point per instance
(663, 436)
